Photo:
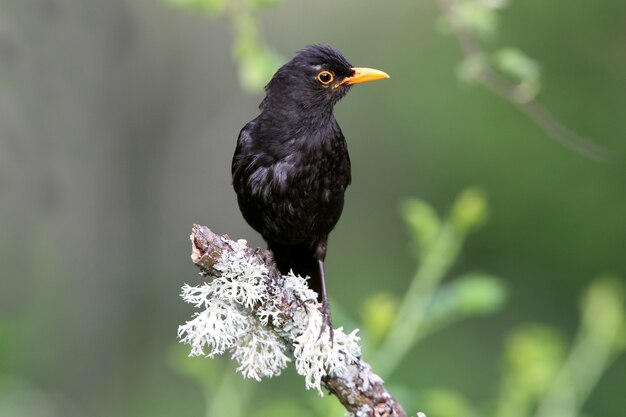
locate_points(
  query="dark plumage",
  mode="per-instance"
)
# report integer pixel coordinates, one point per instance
(291, 165)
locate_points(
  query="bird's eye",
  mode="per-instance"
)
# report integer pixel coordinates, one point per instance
(325, 77)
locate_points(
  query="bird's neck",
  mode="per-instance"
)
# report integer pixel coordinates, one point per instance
(299, 118)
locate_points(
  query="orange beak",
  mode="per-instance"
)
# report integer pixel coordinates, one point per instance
(363, 75)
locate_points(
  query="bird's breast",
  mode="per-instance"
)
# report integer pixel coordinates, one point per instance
(299, 197)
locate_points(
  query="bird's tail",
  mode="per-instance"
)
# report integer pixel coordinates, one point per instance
(301, 260)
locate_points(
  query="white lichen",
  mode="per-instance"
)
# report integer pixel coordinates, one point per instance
(242, 313)
(260, 353)
(216, 328)
(316, 355)
(299, 287)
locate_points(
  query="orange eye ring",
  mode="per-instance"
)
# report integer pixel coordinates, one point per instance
(325, 77)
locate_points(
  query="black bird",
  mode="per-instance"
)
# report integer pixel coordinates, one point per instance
(291, 165)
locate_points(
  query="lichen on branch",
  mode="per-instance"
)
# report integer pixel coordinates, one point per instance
(265, 320)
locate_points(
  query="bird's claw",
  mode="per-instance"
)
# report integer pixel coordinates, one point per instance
(327, 322)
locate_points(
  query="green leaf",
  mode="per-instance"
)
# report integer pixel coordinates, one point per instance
(603, 310)
(516, 63)
(467, 296)
(472, 294)
(477, 16)
(257, 61)
(423, 222)
(533, 356)
(522, 69)
(470, 210)
(256, 69)
(377, 314)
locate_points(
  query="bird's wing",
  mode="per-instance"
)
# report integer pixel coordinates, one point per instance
(243, 154)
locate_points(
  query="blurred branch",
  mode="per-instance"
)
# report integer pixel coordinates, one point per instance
(597, 343)
(359, 390)
(438, 245)
(483, 73)
(533, 355)
(407, 326)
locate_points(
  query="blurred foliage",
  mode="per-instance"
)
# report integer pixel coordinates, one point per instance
(538, 373)
(438, 244)
(377, 316)
(480, 15)
(472, 294)
(113, 139)
(595, 347)
(480, 18)
(224, 393)
(506, 72)
(256, 60)
(446, 403)
(523, 70)
(533, 354)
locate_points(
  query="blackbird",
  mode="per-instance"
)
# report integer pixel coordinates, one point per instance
(291, 165)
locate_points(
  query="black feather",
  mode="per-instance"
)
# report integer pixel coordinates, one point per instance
(291, 165)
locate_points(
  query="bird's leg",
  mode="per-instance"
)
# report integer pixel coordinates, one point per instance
(327, 321)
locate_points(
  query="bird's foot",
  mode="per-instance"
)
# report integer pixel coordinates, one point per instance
(327, 322)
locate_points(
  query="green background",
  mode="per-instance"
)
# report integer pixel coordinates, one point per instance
(118, 120)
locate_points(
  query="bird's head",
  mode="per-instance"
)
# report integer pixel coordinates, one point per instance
(315, 79)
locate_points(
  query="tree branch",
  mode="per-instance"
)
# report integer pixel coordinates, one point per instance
(501, 86)
(359, 390)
